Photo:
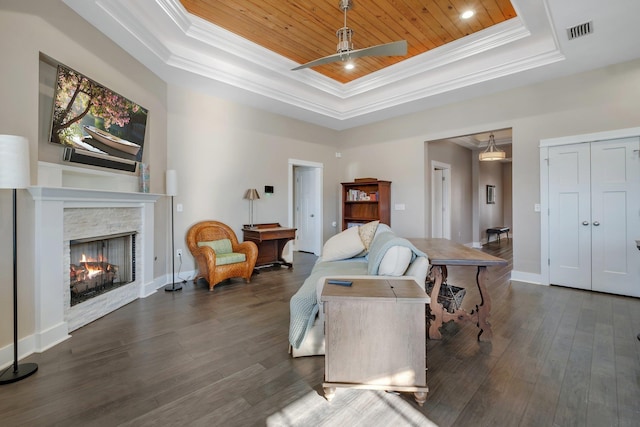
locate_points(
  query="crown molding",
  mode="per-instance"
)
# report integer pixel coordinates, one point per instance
(177, 46)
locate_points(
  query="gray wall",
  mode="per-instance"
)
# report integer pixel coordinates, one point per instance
(460, 159)
(26, 29)
(599, 100)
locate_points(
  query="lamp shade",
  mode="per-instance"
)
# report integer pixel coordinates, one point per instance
(492, 152)
(14, 162)
(172, 183)
(252, 194)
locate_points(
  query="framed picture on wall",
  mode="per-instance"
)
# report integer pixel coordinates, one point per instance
(491, 194)
(93, 118)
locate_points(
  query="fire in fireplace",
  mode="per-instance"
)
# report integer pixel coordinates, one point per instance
(100, 264)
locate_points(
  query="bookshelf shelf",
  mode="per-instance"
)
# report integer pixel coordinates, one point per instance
(366, 200)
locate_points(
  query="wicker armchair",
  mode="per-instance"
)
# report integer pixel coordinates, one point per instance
(208, 231)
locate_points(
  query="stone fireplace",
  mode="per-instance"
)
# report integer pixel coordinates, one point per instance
(68, 221)
(86, 228)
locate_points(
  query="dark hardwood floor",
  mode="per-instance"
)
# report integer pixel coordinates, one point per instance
(559, 357)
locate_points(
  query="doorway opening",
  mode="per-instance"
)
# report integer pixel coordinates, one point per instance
(305, 205)
(440, 200)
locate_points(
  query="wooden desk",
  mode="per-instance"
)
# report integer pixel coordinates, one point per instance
(375, 336)
(271, 239)
(443, 252)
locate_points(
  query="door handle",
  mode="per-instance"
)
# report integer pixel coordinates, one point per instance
(596, 223)
(585, 222)
(312, 215)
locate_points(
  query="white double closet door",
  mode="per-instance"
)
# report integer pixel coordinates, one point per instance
(594, 216)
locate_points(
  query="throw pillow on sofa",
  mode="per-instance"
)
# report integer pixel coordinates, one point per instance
(395, 261)
(367, 232)
(344, 245)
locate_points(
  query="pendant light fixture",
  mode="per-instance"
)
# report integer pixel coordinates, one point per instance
(492, 152)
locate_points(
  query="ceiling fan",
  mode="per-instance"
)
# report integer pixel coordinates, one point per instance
(345, 49)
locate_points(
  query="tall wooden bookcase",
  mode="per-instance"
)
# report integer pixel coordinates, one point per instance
(365, 200)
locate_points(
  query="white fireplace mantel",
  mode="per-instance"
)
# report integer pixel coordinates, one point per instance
(50, 203)
(85, 196)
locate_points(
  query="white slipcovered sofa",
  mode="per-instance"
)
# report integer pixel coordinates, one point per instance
(370, 250)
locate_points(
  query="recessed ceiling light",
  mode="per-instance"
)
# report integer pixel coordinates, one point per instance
(467, 14)
(349, 66)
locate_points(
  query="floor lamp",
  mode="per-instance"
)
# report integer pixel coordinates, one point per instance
(14, 174)
(172, 190)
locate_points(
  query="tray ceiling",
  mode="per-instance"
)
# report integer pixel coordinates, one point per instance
(305, 31)
(507, 45)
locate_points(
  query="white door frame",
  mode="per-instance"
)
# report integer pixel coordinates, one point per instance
(446, 196)
(544, 183)
(318, 177)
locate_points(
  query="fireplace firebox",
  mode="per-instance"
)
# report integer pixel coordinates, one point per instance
(100, 264)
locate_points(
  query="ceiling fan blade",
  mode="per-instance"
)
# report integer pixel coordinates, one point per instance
(398, 48)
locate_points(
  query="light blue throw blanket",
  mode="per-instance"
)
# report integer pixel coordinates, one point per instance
(382, 243)
(304, 305)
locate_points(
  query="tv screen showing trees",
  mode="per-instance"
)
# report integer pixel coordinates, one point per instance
(90, 117)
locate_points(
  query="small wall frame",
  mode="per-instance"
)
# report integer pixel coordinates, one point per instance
(491, 194)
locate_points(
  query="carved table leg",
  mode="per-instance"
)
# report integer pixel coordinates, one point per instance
(421, 397)
(484, 309)
(329, 392)
(436, 308)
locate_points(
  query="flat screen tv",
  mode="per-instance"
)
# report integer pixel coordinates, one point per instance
(96, 121)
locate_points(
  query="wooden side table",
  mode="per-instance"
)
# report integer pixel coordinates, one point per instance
(271, 239)
(375, 336)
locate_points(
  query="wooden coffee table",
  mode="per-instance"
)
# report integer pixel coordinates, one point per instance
(375, 336)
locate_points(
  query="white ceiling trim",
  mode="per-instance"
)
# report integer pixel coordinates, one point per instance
(176, 45)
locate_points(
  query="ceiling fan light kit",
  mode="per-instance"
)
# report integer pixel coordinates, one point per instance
(492, 152)
(345, 50)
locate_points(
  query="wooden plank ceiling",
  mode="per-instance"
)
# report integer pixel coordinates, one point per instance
(305, 30)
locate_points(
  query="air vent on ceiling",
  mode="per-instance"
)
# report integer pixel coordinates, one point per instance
(580, 30)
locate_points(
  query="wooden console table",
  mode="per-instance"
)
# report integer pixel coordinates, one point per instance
(271, 239)
(443, 252)
(375, 336)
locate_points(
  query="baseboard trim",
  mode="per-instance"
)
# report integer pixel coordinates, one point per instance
(35, 343)
(523, 276)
